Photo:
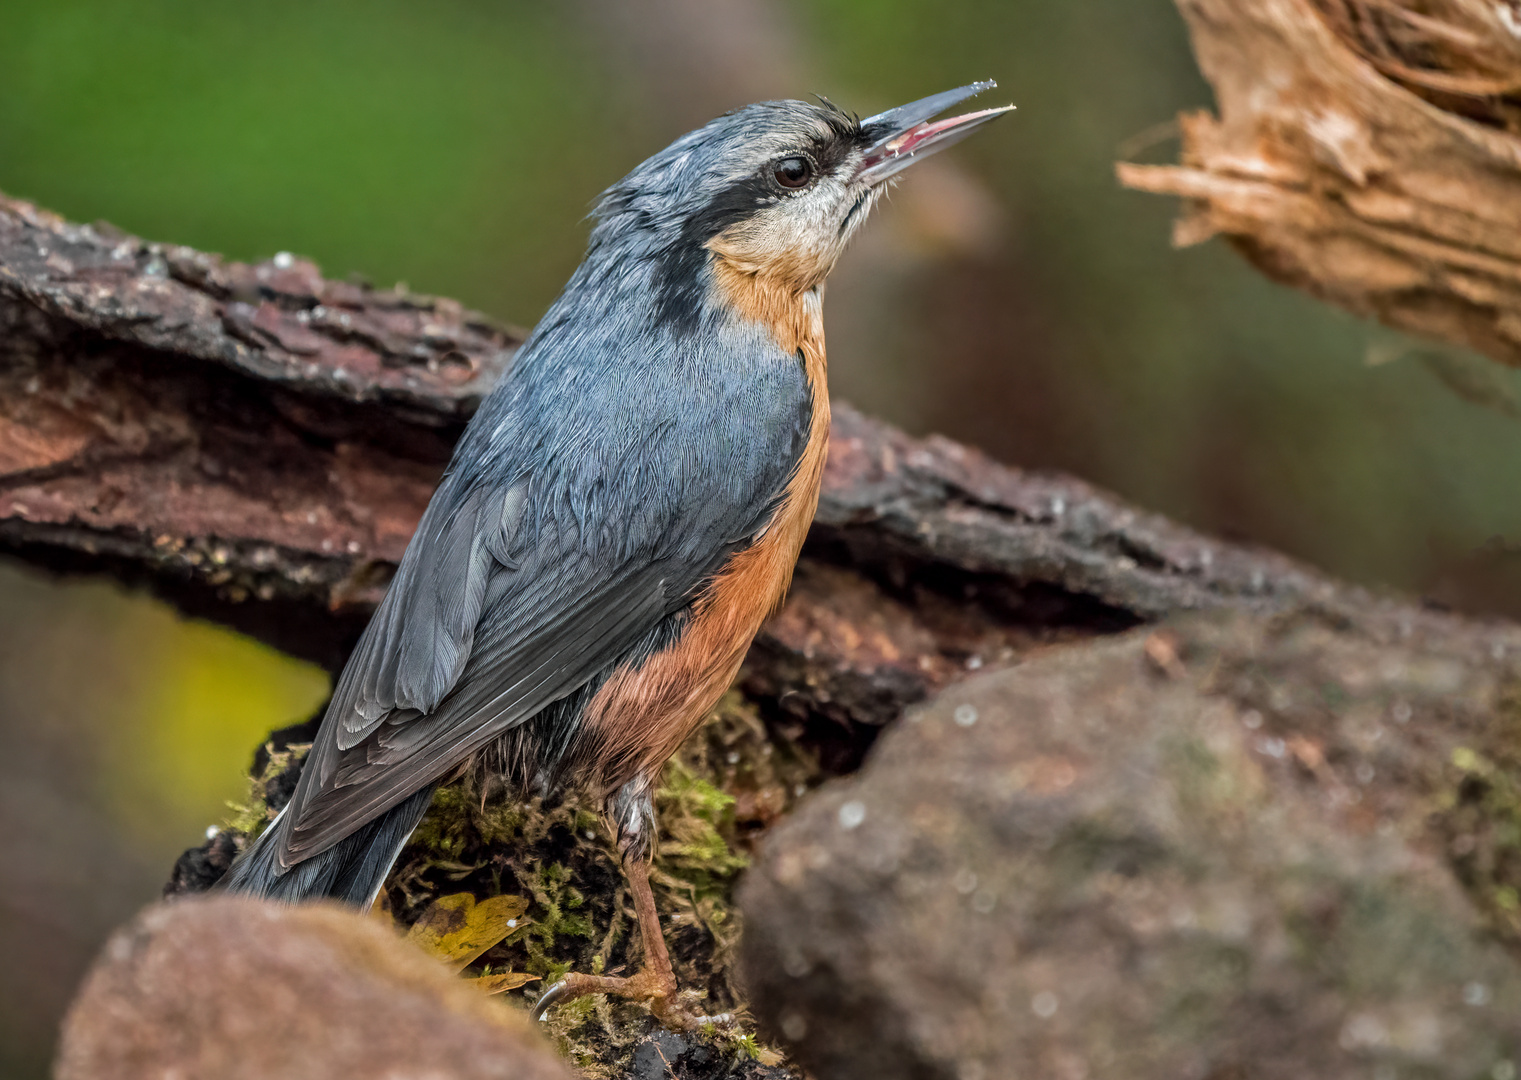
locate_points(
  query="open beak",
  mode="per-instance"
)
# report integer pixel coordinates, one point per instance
(899, 137)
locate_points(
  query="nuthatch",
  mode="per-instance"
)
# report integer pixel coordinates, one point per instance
(621, 515)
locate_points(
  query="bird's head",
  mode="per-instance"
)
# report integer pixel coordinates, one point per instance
(771, 192)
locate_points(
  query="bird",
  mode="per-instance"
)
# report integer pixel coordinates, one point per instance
(622, 513)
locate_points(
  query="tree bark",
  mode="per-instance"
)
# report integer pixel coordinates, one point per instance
(255, 444)
(1365, 151)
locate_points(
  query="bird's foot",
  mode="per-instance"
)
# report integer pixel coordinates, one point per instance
(647, 986)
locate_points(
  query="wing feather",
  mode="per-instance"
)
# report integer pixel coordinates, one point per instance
(412, 653)
(512, 675)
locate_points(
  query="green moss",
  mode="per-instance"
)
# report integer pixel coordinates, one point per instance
(253, 815)
(698, 859)
(1195, 772)
(734, 1043)
(700, 819)
(1480, 812)
(444, 830)
(557, 914)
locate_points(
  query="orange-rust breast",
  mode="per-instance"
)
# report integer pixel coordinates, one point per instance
(640, 716)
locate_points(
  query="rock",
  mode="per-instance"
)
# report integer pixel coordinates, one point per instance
(667, 1055)
(1267, 849)
(199, 868)
(228, 987)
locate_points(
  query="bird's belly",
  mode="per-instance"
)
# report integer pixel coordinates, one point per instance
(644, 712)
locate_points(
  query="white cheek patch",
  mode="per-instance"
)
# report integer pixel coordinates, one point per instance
(800, 235)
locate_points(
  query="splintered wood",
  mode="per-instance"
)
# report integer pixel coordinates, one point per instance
(1366, 151)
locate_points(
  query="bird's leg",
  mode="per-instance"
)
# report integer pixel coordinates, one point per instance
(657, 961)
(655, 982)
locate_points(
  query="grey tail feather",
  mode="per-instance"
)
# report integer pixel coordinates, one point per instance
(352, 870)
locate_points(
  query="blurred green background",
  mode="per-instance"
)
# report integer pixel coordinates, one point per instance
(1009, 295)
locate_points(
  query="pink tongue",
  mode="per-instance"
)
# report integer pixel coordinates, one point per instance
(914, 136)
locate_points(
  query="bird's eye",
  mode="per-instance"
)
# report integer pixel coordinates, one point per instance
(793, 172)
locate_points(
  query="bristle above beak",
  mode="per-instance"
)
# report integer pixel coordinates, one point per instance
(903, 135)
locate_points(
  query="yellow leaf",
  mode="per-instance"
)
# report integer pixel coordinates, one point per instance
(507, 980)
(456, 929)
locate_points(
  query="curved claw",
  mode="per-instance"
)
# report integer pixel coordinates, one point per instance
(557, 993)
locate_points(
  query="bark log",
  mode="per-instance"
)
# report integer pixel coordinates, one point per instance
(255, 444)
(249, 440)
(1365, 151)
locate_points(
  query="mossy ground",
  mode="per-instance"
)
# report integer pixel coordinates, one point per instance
(1478, 811)
(730, 781)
